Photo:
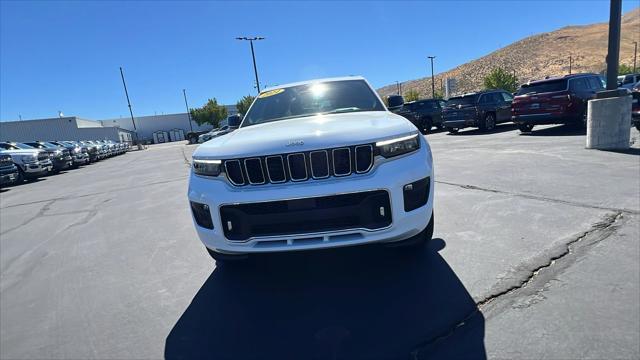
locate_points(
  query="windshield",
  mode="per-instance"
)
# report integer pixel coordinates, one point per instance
(543, 87)
(311, 99)
(462, 100)
(23, 146)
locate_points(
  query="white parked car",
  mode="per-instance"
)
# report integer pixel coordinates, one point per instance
(313, 165)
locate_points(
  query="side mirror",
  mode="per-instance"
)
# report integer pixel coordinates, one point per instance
(235, 120)
(395, 101)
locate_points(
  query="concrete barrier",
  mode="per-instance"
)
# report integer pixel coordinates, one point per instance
(608, 123)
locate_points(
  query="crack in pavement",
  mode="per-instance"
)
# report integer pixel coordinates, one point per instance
(40, 212)
(186, 159)
(540, 198)
(599, 232)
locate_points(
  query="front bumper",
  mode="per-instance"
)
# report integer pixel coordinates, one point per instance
(62, 163)
(37, 168)
(80, 159)
(390, 176)
(8, 176)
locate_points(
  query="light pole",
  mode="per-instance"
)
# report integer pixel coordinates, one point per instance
(184, 92)
(635, 55)
(133, 121)
(433, 85)
(570, 63)
(253, 56)
(613, 52)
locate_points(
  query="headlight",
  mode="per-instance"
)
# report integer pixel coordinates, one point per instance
(207, 167)
(398, 146)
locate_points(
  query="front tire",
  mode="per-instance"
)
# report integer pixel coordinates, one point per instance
(417, 241)
(222, 258)
(426, 125)
(20, 178)
(525, 128)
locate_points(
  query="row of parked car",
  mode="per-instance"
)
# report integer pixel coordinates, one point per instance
(557, 100)
(21, 162)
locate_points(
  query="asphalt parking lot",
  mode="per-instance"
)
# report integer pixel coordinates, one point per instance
(536, 254)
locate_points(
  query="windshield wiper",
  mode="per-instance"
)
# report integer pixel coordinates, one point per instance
(342, 110)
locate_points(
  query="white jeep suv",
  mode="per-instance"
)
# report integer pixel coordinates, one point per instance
(315, 164)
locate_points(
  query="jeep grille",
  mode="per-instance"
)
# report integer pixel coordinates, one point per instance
(300, 166)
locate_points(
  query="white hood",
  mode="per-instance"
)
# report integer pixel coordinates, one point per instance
(307, 133)
(16, 153)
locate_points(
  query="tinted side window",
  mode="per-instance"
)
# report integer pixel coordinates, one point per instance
(595, 83)
(443, 104)
(579, 84)
(507, 97)
(485, 99)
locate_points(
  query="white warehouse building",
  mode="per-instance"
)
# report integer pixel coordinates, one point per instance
(154, 128)
(60, 128)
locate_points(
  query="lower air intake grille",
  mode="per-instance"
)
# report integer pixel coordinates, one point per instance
(365, 210)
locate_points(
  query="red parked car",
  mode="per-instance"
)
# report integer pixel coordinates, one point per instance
(635, 105)
(557, 100)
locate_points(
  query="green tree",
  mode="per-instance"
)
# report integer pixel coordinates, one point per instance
(411, 95)
(243, 104)
(209, 113)
(624, 69)
(499, 78)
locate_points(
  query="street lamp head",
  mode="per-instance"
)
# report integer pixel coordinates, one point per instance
(250, 38)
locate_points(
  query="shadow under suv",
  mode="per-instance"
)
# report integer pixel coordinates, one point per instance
(483, 110)
(558, 100)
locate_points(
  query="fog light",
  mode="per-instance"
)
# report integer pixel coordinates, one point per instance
(416, 194)
(202, 215)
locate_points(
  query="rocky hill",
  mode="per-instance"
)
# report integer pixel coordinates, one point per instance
(537, 56)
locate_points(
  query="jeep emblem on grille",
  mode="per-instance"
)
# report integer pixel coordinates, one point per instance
(295, 143)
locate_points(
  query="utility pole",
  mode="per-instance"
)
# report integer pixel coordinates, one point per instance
(397, 87)
(570, 63)
(635, 55)
(184, 92)
(613, 53)
(133, 121)
(433, 85)
(253, 56)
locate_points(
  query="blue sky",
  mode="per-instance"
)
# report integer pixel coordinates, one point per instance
(65, 56)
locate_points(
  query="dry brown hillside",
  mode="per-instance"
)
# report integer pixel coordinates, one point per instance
(538, 56)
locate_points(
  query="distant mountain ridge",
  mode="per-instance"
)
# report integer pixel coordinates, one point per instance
(537, 56)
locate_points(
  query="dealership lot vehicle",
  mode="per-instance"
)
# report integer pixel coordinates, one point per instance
(94, 150)
(628, 81)
(79, 153)
(276, 184)
(424, 114)
(483, 110)
(8, 170)
(558, 100)
(60, 156)
(104, 250)
(32, 163)
(635, 106)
